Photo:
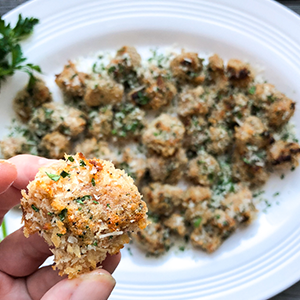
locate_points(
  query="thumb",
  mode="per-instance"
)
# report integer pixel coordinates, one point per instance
(96, 285)
(27, 166)
(9, 175)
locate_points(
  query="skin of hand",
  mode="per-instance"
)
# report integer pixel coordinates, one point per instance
(20, 257)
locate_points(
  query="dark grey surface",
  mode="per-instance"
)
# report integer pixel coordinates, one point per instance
(292, 293)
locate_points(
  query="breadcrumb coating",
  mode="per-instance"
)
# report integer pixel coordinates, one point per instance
(84, 209)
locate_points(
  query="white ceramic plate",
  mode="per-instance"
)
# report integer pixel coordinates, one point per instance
(256, 262)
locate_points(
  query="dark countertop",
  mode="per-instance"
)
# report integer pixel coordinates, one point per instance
(292, 293)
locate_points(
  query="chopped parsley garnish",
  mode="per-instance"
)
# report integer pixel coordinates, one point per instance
(35, 208)
(96, 202)
(62, 214)
(108, 205)
(59, 234)
(70, 158)
(282, 176)
(54, 177)
(73, 76)
(111, 69)
(246, 161)
(93, 181)
(82, 163)
(197, 222)
(252, 90)
(64, 174)
(139, 98)
(258, 194)
(276, 194)
(11, 55)
(129, 251)
(157, 133)
(95, 244)
(81, 200)
(4, 229)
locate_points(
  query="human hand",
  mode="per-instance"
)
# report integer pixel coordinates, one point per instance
(20, 257)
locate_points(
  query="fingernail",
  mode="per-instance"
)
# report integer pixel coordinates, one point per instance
(46, 161)
(10, 171)
(98, 276)
(96, 285)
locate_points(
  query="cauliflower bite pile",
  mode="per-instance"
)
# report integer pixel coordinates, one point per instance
(84, 209)
(198, 137)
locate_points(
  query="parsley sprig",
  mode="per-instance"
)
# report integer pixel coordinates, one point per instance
(11, 55)
(3, 229)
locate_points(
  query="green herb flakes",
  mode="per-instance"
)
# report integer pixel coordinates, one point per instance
(35, 208)
(197, 222)
(82, 163)
(64, 174)
(54, 177)
(81, 200)
(252, 90)
(62, 214)
(93, 182)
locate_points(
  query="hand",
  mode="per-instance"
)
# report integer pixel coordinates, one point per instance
(20, 257)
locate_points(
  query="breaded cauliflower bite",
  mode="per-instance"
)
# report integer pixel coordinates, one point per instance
(251, 132)
(12, 146)
(157, 93)
(124, 66)
(84, 209)
(100, 122)
(57, 117)
(186, 67)
(54, 145)
(193, 102)
(164, 135)
(128, 121)
(239, 73)
(102, 92)
(284, 155)
(94, 148)
(155, 239)
(169, 170)
(203, 169)
(162, 198)
(30, 98)
(71, 82)
(276, 107)
(216, 72)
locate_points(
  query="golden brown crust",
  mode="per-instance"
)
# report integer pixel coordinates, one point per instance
(84, 209)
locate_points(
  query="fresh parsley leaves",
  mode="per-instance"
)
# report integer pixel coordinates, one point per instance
(54, 177)
(11, 55)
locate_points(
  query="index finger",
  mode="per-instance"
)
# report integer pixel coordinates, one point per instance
(27, 167)
(23, 169)
(9, 171)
